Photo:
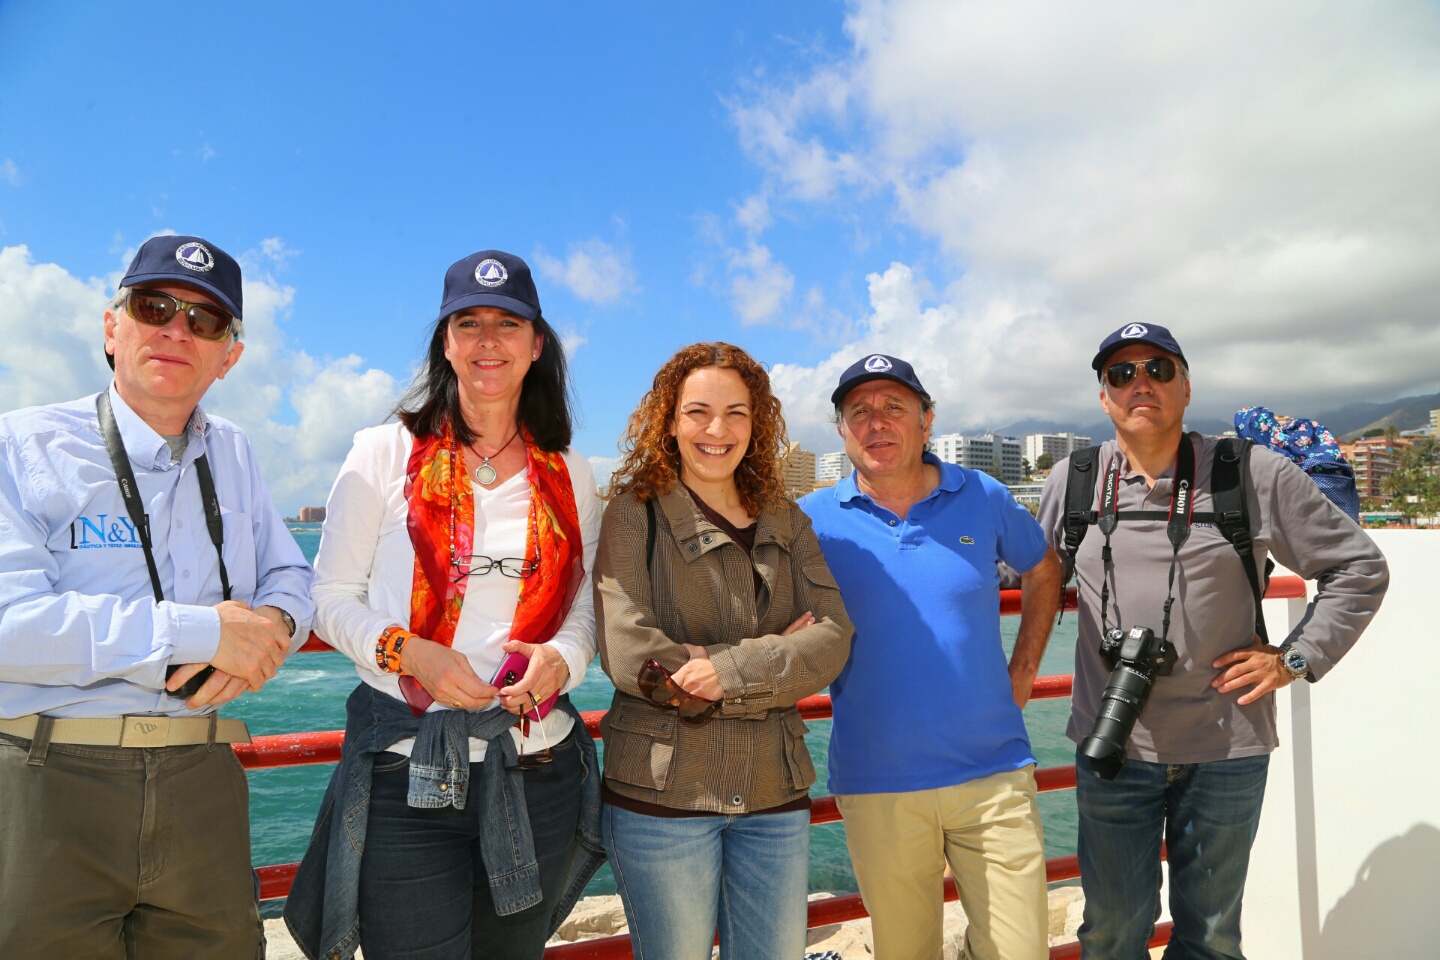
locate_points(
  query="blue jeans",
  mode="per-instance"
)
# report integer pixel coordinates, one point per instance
(424, 892)
(679, 877)
(1207, 814)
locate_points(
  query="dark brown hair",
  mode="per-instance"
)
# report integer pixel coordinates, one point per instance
(546, 409)
(650, 466)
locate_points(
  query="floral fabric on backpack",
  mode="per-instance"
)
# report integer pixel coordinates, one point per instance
(1310, 446)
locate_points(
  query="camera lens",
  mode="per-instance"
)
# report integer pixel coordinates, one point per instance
(1120, 707)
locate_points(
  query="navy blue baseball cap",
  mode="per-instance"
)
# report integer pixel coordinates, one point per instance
(189, 260)
(490, 278)
(1151, 333)
(877, 366)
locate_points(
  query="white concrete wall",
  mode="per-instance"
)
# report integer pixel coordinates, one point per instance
(1347, 862)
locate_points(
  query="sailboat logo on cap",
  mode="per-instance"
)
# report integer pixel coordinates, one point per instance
(878, 364)
(195, 256)
(491, 273)
(1134, 330)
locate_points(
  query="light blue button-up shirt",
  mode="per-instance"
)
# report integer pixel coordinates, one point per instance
(81, 634)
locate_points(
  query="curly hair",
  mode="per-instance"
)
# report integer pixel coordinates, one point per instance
(650, 467)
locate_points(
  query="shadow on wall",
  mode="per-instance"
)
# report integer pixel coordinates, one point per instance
(1390, 912)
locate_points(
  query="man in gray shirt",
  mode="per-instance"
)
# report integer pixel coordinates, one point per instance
(1194, 767)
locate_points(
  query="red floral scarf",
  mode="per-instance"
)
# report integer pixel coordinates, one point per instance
(441, 522)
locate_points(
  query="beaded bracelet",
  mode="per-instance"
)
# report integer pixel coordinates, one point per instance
(388, 647)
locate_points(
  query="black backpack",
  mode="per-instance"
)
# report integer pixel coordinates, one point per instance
(1231, 515)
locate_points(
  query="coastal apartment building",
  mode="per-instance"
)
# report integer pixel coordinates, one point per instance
(312, 514)
(799, 466)
(1058, 445)
(1001, 457)
(1435, 423)
(1373, 459)
(1027, 494)
(832, 466)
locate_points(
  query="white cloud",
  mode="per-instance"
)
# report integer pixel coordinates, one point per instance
(759, 285)
(572, 340)
(754, 214)
(592, 270)
(1257, 177)
(51, 335)
(274, 250)
(775, 128)
(9, 173)
(299, 412)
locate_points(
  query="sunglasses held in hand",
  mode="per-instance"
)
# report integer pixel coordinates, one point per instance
(155, 309)
(658, 687)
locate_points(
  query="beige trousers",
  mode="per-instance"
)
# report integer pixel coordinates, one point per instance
(109, 853)
(989, 832)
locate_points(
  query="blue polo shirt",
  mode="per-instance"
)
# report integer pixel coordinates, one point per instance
(924, 700)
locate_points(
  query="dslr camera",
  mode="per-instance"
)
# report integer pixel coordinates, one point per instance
(1135, 659)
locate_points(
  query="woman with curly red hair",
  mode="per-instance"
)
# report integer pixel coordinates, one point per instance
(715, 613)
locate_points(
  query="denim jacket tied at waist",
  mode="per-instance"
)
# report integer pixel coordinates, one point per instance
(322, 911)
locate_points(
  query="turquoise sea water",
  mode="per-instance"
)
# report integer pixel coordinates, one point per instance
(310, 690)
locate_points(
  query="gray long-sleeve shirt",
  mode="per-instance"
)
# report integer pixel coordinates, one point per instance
(1187, 720)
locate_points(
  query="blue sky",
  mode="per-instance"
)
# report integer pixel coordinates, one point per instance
(988, 190)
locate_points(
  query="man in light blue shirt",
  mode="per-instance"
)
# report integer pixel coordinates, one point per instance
(929, 760)
(124, 625)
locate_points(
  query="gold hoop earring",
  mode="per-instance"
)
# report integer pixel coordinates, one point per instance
(666, 450)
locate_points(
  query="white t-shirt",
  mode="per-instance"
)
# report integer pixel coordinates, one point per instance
(366, 565)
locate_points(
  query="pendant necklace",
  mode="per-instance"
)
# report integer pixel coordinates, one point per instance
(485, 474)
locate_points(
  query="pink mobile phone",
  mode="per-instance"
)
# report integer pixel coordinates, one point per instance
(512, 669)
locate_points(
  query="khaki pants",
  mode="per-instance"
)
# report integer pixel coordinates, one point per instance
(109, 853)
(989, 831)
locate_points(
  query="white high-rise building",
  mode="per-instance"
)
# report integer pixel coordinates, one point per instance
(832, 466)
(998, 456)
(1058, 445)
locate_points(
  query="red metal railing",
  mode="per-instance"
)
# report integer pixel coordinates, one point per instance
(293, 749)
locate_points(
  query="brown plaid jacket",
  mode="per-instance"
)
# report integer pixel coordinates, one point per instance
(700, 589)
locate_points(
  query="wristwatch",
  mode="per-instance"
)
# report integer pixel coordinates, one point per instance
(289, 622)
(1294, 661)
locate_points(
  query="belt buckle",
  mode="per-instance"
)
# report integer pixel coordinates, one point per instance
(144, 731)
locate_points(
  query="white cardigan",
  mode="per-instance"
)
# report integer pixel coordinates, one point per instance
(366, 563)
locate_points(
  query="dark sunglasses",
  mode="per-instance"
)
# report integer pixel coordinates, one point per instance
(1159, 369)
(659, 689)
(155, 309)
(531, 761)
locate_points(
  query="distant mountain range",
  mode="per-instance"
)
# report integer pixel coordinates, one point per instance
(1347, 422)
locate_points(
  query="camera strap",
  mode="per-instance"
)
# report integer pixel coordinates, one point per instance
(1177, 525)
(125, 475)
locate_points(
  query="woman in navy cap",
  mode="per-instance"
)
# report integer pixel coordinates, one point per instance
(453, 569)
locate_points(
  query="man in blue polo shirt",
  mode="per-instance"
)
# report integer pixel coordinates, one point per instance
(929, 760)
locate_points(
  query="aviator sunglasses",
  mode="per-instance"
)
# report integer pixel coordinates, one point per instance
(659, 689)
(1159, 369)
(155, 309)
(530, 761)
